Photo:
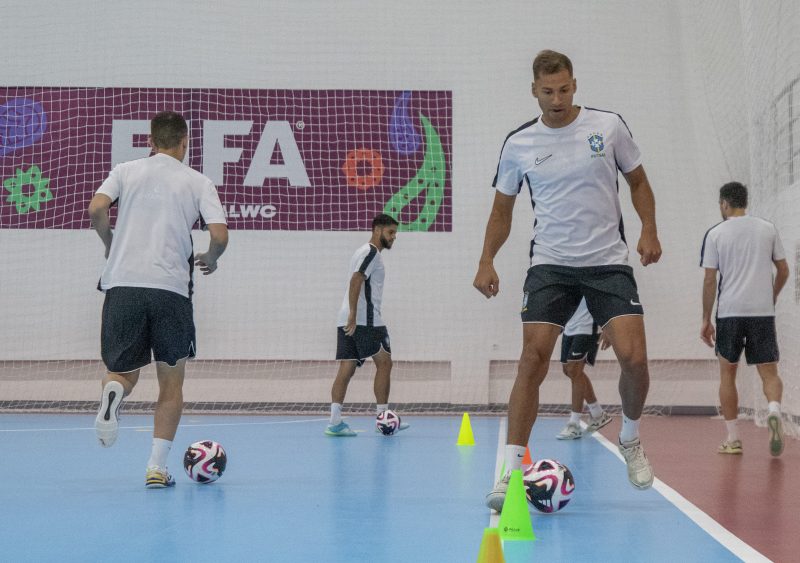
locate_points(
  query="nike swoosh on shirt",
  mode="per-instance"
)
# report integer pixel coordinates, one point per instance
(540, 160)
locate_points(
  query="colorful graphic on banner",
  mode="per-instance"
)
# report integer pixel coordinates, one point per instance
(321, 160)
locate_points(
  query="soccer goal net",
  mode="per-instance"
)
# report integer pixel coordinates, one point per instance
(312, 118)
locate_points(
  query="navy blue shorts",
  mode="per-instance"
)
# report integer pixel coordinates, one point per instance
(141, 320)
(365, 343)
(579, 347)
(755, 335)
(553, 293)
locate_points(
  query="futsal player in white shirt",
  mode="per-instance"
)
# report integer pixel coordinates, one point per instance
(579, 344)
(744, 249)
(361, 332)
(570, 157)
(147, 279)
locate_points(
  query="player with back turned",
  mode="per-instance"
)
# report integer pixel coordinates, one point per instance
(743, 250)
(570, 157)
(147, 279)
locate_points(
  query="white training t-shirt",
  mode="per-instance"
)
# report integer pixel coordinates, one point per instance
(743, 249)
(159, 200)
(581, 322)
(572, 177)
(368, 261)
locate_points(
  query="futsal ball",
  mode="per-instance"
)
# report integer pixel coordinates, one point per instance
(548, 485)
(388, 422)
(205, 461)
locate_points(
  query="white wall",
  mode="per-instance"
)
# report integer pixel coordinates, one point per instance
(276, 293)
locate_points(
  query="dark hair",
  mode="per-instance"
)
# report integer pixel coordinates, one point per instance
(550, 62)
(384, 220)
(735, 193)
(167, 129)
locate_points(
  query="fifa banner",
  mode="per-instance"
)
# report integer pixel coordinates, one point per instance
(321, 160)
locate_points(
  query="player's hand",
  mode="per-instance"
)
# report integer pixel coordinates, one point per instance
(708, 334)
(206, 265)
(486, 280)
(649, 248)
(350, 327)
(604, 342)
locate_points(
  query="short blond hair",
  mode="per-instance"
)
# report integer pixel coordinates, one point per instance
(550, 62)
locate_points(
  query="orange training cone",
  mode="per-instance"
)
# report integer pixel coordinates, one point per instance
(527, 459)
(491, 547)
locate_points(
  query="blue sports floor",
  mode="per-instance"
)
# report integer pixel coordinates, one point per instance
(290, 493)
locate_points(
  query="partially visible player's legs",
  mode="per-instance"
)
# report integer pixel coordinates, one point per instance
(773, 391)
(574, 371)
(729, 405)
(628, 340)
(336, 427)
(598, 417)
(169, 409)
(115, 386)
(382, 384)
(538, 340)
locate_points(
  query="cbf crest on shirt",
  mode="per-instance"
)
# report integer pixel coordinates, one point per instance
(572, 176)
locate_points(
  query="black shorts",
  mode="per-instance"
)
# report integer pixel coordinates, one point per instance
(553, 293)
(138, 320)
(365, 343)
(755, 335)
(579, 347)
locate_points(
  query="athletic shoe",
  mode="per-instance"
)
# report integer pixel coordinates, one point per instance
(403, 426)
(775, 434)
(158, 478)
(497, 496)
(106, 424)
(341, 429)
(572, 431)
(596, 424)
(640, 474)
(732, 447)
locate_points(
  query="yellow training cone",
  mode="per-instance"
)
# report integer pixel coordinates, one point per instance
(491, 547)
(465, 437)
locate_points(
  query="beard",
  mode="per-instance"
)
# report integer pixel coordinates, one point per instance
(386, 243)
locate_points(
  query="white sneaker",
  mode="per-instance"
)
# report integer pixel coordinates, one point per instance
(596, 424)
(497, 496)
(106, 424)
(572, 431)
(775, 434)
(640, 474)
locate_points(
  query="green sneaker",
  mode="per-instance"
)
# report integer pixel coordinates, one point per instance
(775, 434)
(341, 429)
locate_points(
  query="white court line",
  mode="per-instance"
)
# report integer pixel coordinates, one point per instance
(180, 426)
(494, 517)
(713, 528)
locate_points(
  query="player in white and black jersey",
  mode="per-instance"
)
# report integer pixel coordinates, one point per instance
(743, 249)
(148, 279)
(361, 332)
(570, 157)
(579, 344)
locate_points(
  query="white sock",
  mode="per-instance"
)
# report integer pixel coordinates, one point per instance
(159, 453)
(733, 434)
(336, 413)
(595, 409)
(630, 429)
(774, 407)
(575, 417)
(382, 408)
(514, 455)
